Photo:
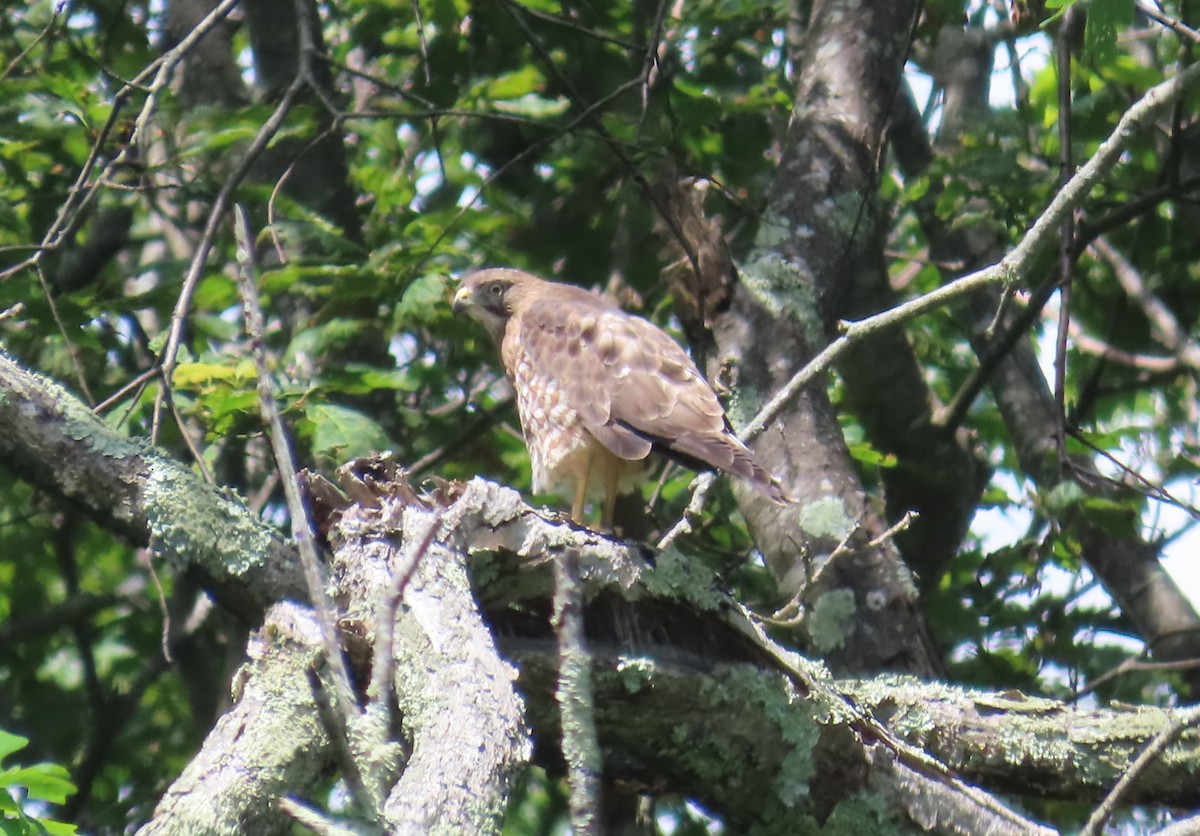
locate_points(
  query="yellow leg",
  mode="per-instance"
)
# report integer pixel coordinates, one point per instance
(581, 489)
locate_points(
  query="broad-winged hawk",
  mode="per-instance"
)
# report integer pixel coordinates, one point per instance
(598, 389)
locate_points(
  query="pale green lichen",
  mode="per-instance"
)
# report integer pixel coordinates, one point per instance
(782, 285)
(831, 619)
(1015, 740)
(773, 232)
(846, 216)
(87, 428)
(798, 731)
(862, 814)
(81, 424)
(189, 523)
(677, 576)
(826, 517)
(194, 525)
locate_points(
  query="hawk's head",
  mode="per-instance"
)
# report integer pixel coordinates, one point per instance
(488, 296)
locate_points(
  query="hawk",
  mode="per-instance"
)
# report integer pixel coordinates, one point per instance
(599, 389)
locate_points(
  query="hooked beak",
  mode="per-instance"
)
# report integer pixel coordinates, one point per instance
(462, 300)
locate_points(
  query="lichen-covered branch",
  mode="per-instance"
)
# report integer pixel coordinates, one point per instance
(51, 439)
(269, 745)
(690, 695)
(461, 713)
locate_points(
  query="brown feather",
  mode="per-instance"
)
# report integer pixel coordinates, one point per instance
(579, 362)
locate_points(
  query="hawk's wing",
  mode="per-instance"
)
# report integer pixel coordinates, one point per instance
(631, 385)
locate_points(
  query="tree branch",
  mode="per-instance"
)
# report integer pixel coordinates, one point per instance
(136, 490)
(671, 651)
(1015, 268)
(270, 744)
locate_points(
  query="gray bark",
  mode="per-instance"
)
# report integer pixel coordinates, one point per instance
(462, 718)
(57, 443)
(863, 612)
(692, 696)
(270, 744)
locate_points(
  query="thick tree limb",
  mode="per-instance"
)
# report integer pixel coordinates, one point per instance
(691, 668)
(691, 697)
(862, 605)
(55, 442)
(461, 714)
(270, 744)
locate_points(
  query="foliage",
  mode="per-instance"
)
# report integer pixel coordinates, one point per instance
(46, 782)
(530, 135)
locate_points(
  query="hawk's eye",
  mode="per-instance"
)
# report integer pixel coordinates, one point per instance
(496, 290)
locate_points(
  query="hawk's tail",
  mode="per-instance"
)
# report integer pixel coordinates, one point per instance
(726, 453)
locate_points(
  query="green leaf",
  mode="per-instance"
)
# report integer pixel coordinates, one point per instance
(198, 375)
(512, 85)
(332, 336)
(359, 379)
(867, 454)
(10, 743)
(1062, 496)
(340, 433)
(1100, 33)
(533, 105)
(39, 782)
(423, 299)
(43, 781)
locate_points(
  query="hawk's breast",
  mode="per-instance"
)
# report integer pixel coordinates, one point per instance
(550, 424)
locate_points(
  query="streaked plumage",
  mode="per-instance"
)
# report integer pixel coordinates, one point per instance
(599, 389)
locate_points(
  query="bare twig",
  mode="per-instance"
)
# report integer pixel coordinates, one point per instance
(1008, 271)
(220, 205)
(301, 527)
(701, 485)
(72, 349)
(41, 36)
(1174, 24)
(1149, 488)
(1164, 326)
(794, 667)
(314, 819)
(1129, 666)
(80, 193)
(1183, 720)
(1012, 268)
(188, 442)
(380, 689)
(416, 7)
(137, 383)
(792, 613)
(656, 52)
(516, 12)
(146, 558)
(585, 116)
(1152, 363)
(1066, 257)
